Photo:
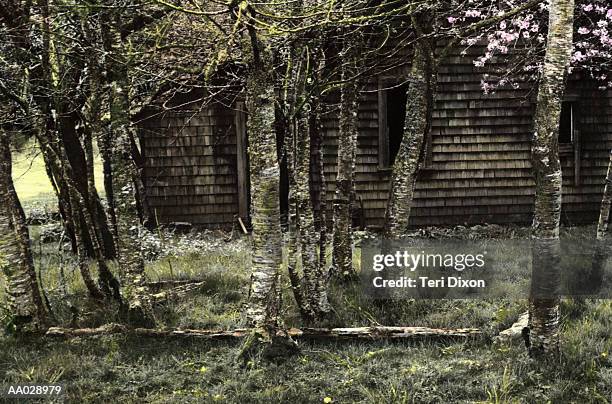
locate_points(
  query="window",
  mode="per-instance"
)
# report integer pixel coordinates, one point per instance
(391, 117)
(569, 136)
(566, 128)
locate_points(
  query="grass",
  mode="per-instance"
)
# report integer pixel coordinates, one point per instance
(126, 369)
(30, 177)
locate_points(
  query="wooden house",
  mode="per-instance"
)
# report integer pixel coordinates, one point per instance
(477, 166)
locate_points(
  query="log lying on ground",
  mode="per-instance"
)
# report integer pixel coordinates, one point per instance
(359, 333)
(176, 292)
(515, 331)
(160, 285)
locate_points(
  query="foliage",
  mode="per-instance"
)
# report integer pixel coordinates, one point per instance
(522, 39)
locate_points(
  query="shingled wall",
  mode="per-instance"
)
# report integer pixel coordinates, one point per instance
(480, 170)
(190, 166)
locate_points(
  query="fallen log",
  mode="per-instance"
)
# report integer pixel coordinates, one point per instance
(359, 333)
(382, 332)
(515, 332)
(176, 292)
(165, 284)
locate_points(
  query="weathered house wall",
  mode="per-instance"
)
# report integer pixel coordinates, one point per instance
(479, 169)
(190, 165)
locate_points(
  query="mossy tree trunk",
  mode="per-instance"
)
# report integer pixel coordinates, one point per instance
(342, 237)
(264, 298)
(306, 239)
(606, 205)
(22, 289)
(318, 186)
(419, 106)
(312, 221)
(55, 121)
(314, 286)
(602, 244)
(288, 103)
(125, 176)
(544, 301)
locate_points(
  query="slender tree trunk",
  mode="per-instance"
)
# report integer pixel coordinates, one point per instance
(104, 145)
(125, 176)
(72, 148)
(602, 246)
(342, 254)
(264, 305)
(315, 274)
(16, 263)
(82, 258)
(544, 300)
(606, 205)
(286, 123)
(409, 157)
(268, 335)
(310, 289)
(297, 279)
(317, 178)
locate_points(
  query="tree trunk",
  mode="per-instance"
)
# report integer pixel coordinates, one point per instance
(419, 107)
(310, 289)
(606, 205)
(24, 298)
(315, 274)
(125, 177)
(263, 307)
(342, 254)
(298, 281)
(544, 300)
(602, 244)
(318, 187)
(70, 144)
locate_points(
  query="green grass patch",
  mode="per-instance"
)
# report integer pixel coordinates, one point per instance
(30, 176)
(136, 370)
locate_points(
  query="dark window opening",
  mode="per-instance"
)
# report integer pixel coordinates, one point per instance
(396, 116)
(566, 127)
(391, 117)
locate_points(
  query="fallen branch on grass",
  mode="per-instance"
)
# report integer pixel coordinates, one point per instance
(160, 285)
(176, 292)
(363, 333)
(515, 331)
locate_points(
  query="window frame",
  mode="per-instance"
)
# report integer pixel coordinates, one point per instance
(384, 162)
(384, 152)
(573, 149)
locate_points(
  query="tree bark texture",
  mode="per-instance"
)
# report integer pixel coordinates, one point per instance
(305, 239)
(602, 246)
(317, 177)
(315, 275)
(346, 334)
(125, 176)
(409, 157)
(544, 301)
(264, 300)
(22, 289)
(342, 248)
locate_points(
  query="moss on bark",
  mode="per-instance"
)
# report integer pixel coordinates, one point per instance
(544, 302)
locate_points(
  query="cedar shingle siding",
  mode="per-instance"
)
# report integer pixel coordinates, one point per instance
(479, 169)
(190, 166)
